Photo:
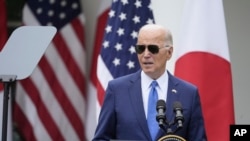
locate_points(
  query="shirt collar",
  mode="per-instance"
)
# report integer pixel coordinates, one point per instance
(163, 79)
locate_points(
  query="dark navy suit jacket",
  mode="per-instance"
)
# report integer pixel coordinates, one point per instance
(122, 116)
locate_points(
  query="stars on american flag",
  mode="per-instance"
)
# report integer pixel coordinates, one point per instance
(136, 19)
(111, 13)
(138, 3)
(116, 61)
(106, 44)
(120, 31)
(124, 2)
(132, 49)
(134, 34)
(130, 64)
(122, 16)
(54, 12)
(118, 48)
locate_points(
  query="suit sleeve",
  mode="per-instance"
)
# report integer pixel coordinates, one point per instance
(105, 129)
(197, 125)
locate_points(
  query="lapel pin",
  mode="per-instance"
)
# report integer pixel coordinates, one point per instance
(174, 91)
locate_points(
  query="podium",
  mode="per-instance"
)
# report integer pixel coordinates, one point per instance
(19, 57)
(171, 138)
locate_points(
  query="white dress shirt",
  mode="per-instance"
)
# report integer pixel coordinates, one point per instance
(162, 88)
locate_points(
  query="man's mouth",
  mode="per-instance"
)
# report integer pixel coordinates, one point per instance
(148, 63)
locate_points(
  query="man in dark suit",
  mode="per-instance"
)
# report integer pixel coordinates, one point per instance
(125, 111)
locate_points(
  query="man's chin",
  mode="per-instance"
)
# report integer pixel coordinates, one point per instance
(149, 72)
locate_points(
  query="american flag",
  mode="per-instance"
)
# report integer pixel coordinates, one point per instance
(114, 55)
(50, 104)
(118, 56)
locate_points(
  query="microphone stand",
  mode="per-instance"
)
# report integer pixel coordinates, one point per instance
(170, 133)
(167, 127)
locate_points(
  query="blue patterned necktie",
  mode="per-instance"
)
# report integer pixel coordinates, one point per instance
(151, 117)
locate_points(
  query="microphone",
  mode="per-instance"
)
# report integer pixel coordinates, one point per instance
(161, 116)
(178, 114)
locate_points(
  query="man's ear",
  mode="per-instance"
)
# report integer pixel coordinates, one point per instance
(170, 52)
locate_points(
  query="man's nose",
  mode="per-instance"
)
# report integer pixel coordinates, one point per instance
(147, 52)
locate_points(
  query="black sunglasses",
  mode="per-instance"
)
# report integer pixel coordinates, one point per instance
(154, 49)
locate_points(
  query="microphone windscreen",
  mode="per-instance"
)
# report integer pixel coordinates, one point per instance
(177, 105)
(161, 104)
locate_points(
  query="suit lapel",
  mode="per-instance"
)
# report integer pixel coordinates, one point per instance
(172, 95)
(135, 94)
